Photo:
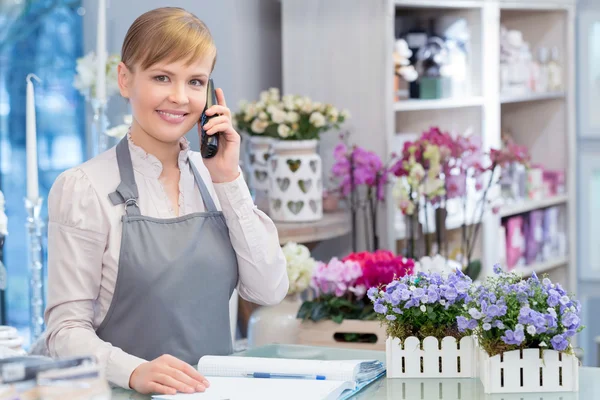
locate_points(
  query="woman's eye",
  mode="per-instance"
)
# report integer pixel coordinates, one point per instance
(196, 82)
(161, 78)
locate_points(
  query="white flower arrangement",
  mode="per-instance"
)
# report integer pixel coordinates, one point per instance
(436, 264)
(120, 131)
(300, 266)
(3, 217)
(85, 80)
(402, 54)
(290, 117)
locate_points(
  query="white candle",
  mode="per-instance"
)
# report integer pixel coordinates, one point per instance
(101, 54)
(31, 144)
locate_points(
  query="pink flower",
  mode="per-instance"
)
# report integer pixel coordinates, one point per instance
(335, 277)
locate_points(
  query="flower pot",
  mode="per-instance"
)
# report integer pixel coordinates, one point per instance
(275, 324)
(330, 334)
(259, 148)
(528, 371)
(413, 359)
(296, 187)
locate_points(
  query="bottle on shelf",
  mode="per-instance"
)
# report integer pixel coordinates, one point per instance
(554, 71)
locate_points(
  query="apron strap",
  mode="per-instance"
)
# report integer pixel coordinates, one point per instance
(204, 193)
(127, 191)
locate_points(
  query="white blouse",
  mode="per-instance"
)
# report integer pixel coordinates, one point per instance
(84, 237)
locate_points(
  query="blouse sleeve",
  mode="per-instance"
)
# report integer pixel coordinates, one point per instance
(77, 237)
(261, 262)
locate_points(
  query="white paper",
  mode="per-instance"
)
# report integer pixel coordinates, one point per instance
(240, 366)
(265, 389)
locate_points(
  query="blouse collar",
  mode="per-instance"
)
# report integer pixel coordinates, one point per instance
(148, 164)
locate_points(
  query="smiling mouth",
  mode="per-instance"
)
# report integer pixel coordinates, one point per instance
(172, 117)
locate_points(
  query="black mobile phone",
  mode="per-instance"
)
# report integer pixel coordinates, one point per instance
(209, 144)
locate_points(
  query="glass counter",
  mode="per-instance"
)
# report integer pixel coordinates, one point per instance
(407, 389)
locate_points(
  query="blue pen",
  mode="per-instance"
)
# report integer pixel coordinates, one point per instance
(285, 376)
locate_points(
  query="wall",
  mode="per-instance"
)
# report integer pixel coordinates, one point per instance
(247, 34)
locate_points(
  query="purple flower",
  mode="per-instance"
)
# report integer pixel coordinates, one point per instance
(493, 311)
(475, 313)
(472, 324)
(565, 300)
(487, 327)
(553, 300)
(570, 320)
(371, 293)
(462, 323)
(380, 308)
(559, 343)
(405, 294)
(418, 293)
(397, 310)
(497, 269)
(450, 294)
(498, 324)
(390, 317)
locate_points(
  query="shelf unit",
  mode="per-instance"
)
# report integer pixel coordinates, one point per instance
(340, 51)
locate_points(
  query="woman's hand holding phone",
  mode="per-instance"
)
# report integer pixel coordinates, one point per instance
(224, 165)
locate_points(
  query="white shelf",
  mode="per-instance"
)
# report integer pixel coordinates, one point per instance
(438, 104)
(529, 205)
(521, 98)
(542, 267)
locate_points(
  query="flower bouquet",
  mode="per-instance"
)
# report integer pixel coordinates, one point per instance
(340, 303)
(300, 266)
(420, 313)
(524, 328)
(290, 117)
(85, 79)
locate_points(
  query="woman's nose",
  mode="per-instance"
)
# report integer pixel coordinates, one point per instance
(178, 95)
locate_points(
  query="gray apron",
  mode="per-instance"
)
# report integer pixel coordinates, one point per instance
(175, 278)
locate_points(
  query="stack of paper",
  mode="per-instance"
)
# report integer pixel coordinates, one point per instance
(234, 378)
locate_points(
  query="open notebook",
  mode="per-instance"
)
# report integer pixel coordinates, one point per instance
(232, 378)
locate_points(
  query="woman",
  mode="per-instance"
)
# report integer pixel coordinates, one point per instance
(148, 240)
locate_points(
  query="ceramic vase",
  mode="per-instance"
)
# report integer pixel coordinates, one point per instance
(296, 187)
(275, 324)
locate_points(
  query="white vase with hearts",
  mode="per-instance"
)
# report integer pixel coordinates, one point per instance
(259, 152)
(296, 187)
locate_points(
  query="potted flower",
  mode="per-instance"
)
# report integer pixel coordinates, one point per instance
(420, 313)
(273, 324)
(361, 178)
(524, 328)
(341, 315)
(258, 121)
(295, 170)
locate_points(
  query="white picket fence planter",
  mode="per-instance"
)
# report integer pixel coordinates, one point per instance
(526, 372)
(432, 360)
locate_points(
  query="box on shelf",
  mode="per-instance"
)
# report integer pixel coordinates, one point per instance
(453, 359)
(330, 334)
(529, 370)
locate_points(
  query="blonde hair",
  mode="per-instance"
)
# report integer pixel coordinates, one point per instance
(167, 33)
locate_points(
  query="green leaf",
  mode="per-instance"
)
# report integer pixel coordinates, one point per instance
(338, 319)
(473, 269)
(318, 312)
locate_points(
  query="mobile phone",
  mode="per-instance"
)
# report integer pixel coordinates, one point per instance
(209, 144)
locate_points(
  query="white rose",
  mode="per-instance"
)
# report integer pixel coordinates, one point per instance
(292, 117)
(251, 112)
(278, 116)
(317, 106)
(333, 114)
(307, 107)
(264, 96)
(283, 130)
(317, 119)
(274, 94)
(258, 126)
(299, 103)
(288, 102)
(263, 116)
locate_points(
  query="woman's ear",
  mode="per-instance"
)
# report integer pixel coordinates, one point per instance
(124, 79)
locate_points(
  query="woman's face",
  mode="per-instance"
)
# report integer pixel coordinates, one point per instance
(167, 99)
